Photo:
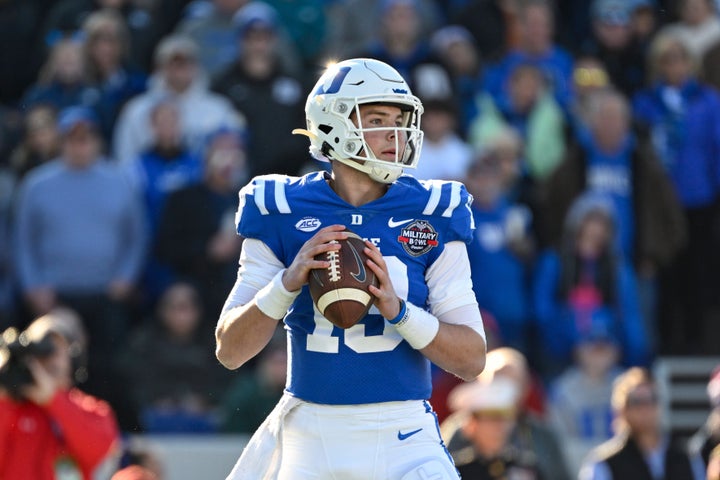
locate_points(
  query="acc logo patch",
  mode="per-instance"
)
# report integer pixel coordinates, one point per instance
(418, 238)
(308, 224)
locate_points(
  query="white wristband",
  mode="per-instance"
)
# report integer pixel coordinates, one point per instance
(273, 299)
(418, 327)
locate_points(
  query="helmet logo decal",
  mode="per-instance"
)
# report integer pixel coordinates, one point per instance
(335, 84)
(400, 90)
(418, 238)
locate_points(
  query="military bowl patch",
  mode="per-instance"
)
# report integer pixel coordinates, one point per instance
(418, 238)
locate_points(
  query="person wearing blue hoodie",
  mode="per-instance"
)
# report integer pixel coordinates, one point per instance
(683, 116)
(502, 248)
(584, 283)
(607, 156)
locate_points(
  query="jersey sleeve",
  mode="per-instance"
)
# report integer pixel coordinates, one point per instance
(261, 202)
(451, 201)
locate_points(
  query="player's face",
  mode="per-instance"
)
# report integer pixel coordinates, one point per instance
(386, 142)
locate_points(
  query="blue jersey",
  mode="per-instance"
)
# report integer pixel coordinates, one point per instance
(369, 362)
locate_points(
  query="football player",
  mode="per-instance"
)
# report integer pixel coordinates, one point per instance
(356, 399)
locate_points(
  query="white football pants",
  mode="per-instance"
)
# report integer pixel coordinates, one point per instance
(384, 441)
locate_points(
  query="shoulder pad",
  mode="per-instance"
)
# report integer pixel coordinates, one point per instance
(445, 197)
(267, 192)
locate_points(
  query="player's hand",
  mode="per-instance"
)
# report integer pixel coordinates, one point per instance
(44, 386)
(297, 273)
(386, 300)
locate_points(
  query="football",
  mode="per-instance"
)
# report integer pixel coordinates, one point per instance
(340, 292)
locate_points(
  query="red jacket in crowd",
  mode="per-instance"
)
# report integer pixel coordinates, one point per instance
(73, 431)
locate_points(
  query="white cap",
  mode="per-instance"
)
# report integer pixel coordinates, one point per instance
(497, 394)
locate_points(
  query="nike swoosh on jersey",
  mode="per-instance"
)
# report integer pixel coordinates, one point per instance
(392, 223)
(405, 436)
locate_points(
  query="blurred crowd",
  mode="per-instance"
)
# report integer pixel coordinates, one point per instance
(588, 132)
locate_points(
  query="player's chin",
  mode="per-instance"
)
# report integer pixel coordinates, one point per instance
(389, 157)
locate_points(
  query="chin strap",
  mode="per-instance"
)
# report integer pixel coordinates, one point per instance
(379, 173)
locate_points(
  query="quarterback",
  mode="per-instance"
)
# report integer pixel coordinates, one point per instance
(356, 404)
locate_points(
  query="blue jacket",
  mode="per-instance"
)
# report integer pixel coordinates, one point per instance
(687, 138)
(500, 278)
(557, 324)
(557, 65)
(159, 176)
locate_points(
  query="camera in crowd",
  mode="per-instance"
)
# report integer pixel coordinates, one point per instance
(16, 350)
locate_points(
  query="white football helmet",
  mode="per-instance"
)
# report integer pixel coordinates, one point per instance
(339, 92)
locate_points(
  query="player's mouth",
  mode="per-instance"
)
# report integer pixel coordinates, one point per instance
(389, 153)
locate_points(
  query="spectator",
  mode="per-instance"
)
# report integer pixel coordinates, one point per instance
(402, 44)
(353, 24)
(683, 116)
(96, 229)
(502, 248)
(167, 165)
(609, 158)
(530, 433)
(169, 367)
(147, 23)
(589, 76)
(458, 49)
(579, 399)
(586, 282)
(270, 97)
(178, 77)
(529, 108)
(707, 438)
(698, 26)
(251, 396)
(61, 82)
(443, 381)
(196, 236)
(109, 73)
(444, 155)
(613, 43)
(535, 47)
(488, 409)
(493, 24)
(640, 447)
(48, 427)
(212, 29)
(40, 142)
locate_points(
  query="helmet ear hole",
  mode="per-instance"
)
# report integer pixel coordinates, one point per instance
(326, 129)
